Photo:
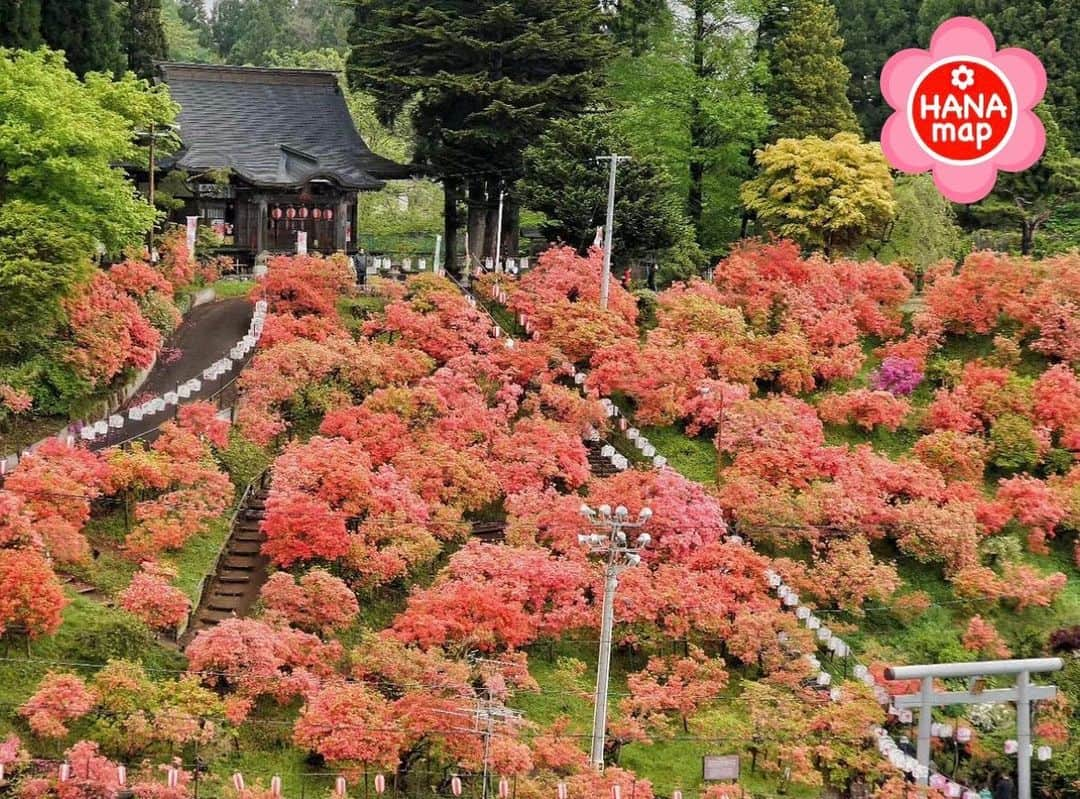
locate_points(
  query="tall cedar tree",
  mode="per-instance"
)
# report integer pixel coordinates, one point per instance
(487, 79)
(20, 24)
(88, 31)
(564, 183)
(1048, 28)
(808, 81)
(872, 33)
(144, 38)
(1029, 199)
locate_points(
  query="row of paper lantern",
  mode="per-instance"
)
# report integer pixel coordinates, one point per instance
(385, 264)
(886, 745)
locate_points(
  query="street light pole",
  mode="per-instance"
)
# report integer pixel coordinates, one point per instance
(612, 544)
(609, 229)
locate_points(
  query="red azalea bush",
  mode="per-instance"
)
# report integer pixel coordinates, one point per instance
(152, 599)
(31, 597)
(254, 659)
(60, 698)
(304, 284)
(108, 332)
(318, 601)
(865, 408)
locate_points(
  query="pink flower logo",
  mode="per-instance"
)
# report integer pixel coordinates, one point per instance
(963, 109)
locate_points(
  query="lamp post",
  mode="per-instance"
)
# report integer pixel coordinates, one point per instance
(613, 544)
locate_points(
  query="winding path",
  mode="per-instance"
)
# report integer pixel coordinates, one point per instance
(206, 335)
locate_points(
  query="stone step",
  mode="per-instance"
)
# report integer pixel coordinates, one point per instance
(243, 563)
(234, 577)
(224, 604)
(237, 547)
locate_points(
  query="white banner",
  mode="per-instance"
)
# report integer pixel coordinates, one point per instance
(301, 242)
(192, 226)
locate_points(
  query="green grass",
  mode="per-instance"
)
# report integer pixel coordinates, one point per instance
(695, 458)
(668, 761)
(225, 288)
(504, 316)
(198, 556)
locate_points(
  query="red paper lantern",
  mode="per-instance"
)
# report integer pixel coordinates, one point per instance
(304, 212)
(329, 214)
(291, 213)
(316, 213)
(276, 213)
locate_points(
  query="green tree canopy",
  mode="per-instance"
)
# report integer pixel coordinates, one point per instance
(144, 36)
(89, 33)
(62, 195)
(480, 81)
(1048, 28)
(20, 24)
(872, 33)
(688, 103)
(831, 194)
(1028, 200)
(924, 230)
(565, 183)
(807, 80)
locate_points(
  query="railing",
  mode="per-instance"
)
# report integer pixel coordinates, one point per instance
(207, 579)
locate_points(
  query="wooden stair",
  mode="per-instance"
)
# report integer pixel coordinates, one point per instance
(241, 570)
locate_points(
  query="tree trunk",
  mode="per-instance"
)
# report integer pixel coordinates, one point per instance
(491, 230)
(694, 201)
(1027, 237)
(477, 223)
(450, 226)
(511, 226)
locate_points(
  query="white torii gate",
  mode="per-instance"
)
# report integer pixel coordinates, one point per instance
(1023, 694)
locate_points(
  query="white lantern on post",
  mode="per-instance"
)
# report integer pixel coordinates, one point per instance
(1011, 747)
(1044, 753)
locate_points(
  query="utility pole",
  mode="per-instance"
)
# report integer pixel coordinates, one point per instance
(498, 234)
(605, 278)
(613, 545)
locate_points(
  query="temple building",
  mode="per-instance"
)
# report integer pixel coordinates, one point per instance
(266, 153)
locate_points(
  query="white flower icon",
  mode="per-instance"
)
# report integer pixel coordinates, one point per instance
(963, 77)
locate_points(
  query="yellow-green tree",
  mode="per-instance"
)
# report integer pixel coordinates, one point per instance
(830, 194)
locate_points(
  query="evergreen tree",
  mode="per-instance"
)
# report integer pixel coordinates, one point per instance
(20, 24)
(144, 36)
(482, 80)
(1029, 199)
(565, 183)
(690, 104)
(88, 31)
(1048, 28)
(872, 33)
(808, 81)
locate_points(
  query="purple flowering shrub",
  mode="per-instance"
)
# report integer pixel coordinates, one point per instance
(899, 376)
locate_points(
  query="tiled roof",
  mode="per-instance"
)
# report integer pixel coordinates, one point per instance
(272, 127)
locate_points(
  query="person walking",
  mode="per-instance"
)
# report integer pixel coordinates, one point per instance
(1005, 788)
